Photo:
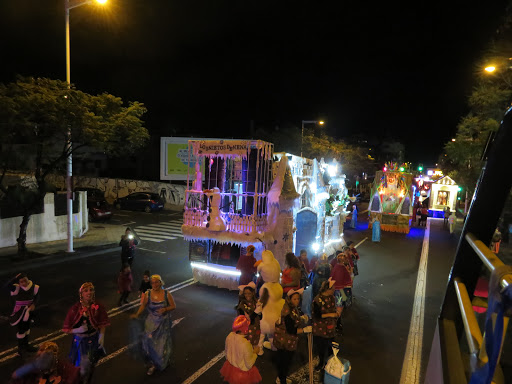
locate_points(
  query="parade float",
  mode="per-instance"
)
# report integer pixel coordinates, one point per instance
(247, 194)
(437, 192)
(392, 199)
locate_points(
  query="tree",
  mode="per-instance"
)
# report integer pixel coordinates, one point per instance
(40, 113)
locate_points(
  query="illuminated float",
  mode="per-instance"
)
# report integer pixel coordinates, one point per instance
(392, 198)
(437, 192)
(247, 194)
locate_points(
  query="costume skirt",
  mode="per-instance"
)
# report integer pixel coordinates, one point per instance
(235, 375)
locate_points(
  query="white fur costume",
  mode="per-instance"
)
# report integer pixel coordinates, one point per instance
(270, 270)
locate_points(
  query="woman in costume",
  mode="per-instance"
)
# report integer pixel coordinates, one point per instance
(322, 273)
(246, 266)
(290, 279)
(86, 321)
(47, 368)
(251, 309)
(156, 337)
(324, 321)
(240, 356)
(353, 222)
(286, 334)
(376, 229)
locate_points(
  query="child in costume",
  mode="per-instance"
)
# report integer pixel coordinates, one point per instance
(25, 294)
(124, 283)
(86, 321)
(240, 356)
(145, 284)
(271, 297)
(287, 329)
(251, 309)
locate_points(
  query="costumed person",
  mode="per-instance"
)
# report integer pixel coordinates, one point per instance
(324, 321)
(124, 284)
(446, 215)
(25, 295)
(128, 245)
(354, 256)
(305, 268)
(156, 337)
(145, 284)
(240, 356)
(496, 241)
(86, 322)
(47, 368)
(290, 279)
(376, 228)
(451, 222)
(322, 273)
(424, 216)
(341, 274)
(271, 297)
(287, 329)
(250, 308)
(246, 266)
(353, 222)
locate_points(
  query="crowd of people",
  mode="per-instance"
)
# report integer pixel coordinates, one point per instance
(86, 321)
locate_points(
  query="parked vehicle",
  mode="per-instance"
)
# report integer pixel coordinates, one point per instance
(140, 201)
(97, 206)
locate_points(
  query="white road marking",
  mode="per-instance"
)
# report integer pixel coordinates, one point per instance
(131, 222)
(155, 236)
(151, 250)
(204, 368)
(148, 239)
(412, 359)
(159, 230)
(361, 242)
(112, 313)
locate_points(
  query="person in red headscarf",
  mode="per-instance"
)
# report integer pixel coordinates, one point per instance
(240, 356)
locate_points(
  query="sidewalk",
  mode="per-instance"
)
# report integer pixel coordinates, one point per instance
(100, 238)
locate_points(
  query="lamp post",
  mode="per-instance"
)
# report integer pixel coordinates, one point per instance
(321, 122)
(69, 5)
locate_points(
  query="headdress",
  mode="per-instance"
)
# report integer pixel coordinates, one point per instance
(299, 291)
(324, 257)
(157, 277)
(241, 324)
(85, 286)
(251, 285)
(331, 282)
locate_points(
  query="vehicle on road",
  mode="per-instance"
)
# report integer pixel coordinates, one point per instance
(98, 208)
(140, 201)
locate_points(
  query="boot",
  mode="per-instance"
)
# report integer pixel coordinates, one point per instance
(21, 348)
(28, 347)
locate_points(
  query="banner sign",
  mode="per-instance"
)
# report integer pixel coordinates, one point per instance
(175, 161)
(222, 147)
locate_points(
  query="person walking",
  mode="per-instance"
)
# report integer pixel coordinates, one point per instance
(124, 283)
(451, 222)
(250, 308)
(446, 215)
(156, 336)
(86, 322)
(341, 274)
(322, 273)
(324, 321)
(290, 279)
(240, 355)
(26, 295)
(354, 256)
(305, 268)
(246, 266)
(496, 241)
(145, 284)
(353, 222)
(376, 228)
(128, 245)
(288, 327)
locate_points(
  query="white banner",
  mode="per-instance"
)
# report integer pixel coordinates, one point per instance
(222, 148)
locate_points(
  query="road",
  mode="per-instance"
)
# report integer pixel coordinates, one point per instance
(376, 327)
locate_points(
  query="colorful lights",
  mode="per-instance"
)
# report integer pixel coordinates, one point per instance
(385, 169)
(315, 247)
(402, 169)
(230, 271)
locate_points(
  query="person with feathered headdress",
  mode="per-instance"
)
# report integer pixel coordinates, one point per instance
(251, 309)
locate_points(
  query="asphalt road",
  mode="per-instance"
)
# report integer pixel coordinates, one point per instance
(376, 326)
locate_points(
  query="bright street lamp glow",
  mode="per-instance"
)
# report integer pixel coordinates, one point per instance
(321, 122)
(101, 1)
(453, 139)
(490, 69)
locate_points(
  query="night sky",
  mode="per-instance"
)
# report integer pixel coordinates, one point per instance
(210, 67)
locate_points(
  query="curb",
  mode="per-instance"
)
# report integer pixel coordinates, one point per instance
(28, 265)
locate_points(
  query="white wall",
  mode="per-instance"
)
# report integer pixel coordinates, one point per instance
(45, 226)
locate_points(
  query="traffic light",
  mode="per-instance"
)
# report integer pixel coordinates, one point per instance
(402, 169)
(458, 198)
(420, 168)
(459, 189)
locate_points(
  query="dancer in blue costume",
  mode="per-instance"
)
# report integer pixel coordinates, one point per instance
(156, 337)
(353, 222)
(376, 229)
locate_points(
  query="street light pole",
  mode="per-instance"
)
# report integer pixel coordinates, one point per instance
(69, 168)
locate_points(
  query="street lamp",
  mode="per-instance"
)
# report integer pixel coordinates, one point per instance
(69, 5)
(490, 68)
(321, 122)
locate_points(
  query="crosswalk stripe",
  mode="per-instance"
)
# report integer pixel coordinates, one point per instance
(165, 225)
(157, 236)
(148, 239)
(160, 231)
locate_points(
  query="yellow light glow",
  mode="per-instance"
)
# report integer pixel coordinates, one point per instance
(321, 122)
(490, 69)
(101, 1)
(453, 139)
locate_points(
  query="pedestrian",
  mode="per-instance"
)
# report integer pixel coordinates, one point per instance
(290, 279)
(246, 266)
(128, 245)
(322, 273)
(250, 308)
(414, 212)
(288, 327)
(376, 228)
(354, 256)
(86, 322)
(424, 215)
(124, 283)
(25, 295)
(451, 222)
(305, 268)
(156, 335)
(353, 221)
(241, 355)
(496, 241)
(418, 214)
(446, 215)
(341, 274)
(145, 284)
(47, 368)
(324, 321)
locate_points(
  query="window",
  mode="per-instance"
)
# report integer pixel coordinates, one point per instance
(443, 197)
